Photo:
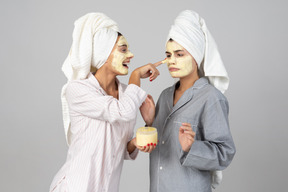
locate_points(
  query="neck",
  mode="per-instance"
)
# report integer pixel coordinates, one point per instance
(187, 81)
(107, 80)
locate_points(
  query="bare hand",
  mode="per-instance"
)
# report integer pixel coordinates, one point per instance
(186, 136)
(148, 148)
(145, 71)
(147, 110)
(148, 70)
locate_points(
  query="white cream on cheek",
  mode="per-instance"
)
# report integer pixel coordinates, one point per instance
(183, 63)
(117, 62)
(119, 57)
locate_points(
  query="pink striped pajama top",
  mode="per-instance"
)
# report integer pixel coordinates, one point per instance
(101, 127)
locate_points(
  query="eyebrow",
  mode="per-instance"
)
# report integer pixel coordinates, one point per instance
(174, 51)
(122, 45)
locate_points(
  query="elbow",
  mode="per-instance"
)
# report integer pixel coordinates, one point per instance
(227, 158)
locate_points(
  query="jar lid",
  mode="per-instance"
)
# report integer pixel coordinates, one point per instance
(146, 130)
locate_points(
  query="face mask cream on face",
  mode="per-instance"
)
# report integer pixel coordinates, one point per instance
(180, 62)
(121, 56)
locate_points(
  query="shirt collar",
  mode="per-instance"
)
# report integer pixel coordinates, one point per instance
(197, 85)
(201, 82)
(92, 79)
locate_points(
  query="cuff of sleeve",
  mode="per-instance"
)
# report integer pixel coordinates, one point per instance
(188, 158)
(183, 156)
(138, 94)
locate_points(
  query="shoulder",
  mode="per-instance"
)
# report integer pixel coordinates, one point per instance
(214, 93)
(78, 87)
(77, 84)
(211, 95)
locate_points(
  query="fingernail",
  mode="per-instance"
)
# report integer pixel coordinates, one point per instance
(155, 144)
(158, 141)
(151, 143)
(148, 144)
(144, 147)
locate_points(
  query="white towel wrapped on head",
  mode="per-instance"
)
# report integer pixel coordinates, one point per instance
(94, 37)
(191, 32)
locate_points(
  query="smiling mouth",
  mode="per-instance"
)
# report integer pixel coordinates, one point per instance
(125, 65)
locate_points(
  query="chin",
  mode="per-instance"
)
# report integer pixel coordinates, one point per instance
(123, 73)
(174, 75)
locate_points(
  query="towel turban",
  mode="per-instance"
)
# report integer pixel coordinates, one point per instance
(191, 32)
(94, 37)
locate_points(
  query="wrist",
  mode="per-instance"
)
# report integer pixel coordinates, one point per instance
(131, 146)
(135, 78)
(186, 149)
(136, 73)
(148, 124)
(133, 142)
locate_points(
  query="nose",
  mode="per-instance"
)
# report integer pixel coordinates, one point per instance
(171, 60)
(130, 55)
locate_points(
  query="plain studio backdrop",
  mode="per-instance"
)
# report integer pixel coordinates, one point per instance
(36, 37)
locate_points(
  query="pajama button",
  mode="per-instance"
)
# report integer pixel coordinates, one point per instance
(163, 142)
(161, 168)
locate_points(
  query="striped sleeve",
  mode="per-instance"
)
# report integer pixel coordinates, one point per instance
(94, 104)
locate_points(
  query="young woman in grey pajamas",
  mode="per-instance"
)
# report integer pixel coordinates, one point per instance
(191, 116)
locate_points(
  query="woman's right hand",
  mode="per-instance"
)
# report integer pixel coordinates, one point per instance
(145, 71)
(148, 70)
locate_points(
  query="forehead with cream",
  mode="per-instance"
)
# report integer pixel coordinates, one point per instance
(173, 46)
(122, 41)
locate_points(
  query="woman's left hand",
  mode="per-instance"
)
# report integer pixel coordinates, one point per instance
(147, 110)
(186, 136)
(147, 149)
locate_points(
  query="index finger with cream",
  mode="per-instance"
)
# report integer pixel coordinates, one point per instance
(160, 62)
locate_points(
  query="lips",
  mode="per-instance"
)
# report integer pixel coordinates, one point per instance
(172, 69)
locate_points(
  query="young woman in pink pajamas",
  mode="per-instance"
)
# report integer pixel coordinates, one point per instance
(99, 111)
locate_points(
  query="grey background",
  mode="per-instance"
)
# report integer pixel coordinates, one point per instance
(36, 37)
